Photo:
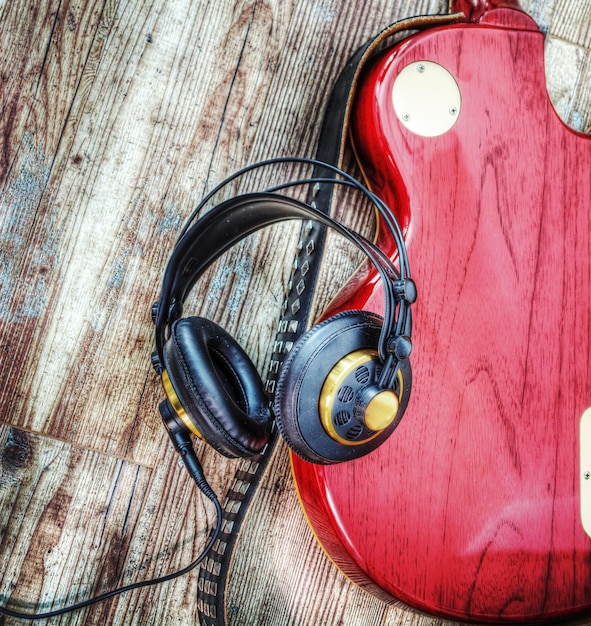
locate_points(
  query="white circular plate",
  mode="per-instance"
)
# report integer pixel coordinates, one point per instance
(426, 98)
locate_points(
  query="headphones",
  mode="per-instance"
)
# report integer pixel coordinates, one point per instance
(343, 387)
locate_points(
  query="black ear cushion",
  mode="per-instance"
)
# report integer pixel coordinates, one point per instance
(302, 376)
(218, 386)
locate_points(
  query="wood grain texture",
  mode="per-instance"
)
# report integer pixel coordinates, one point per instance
(500, 256)
(116, 117)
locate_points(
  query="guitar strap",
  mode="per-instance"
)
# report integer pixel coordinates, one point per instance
(296, 312)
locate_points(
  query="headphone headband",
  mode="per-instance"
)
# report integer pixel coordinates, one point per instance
(233, 220)
(324, 175)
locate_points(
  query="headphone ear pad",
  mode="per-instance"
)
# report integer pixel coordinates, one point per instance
(302, 376)
(218, 386)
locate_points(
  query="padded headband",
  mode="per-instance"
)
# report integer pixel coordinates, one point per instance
(233, 220)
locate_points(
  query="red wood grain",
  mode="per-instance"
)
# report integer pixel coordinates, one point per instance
(471, 509)
(474, 10)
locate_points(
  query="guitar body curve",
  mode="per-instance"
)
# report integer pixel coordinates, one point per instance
(471, 510)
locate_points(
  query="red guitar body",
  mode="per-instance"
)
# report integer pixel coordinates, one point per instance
(471, 510)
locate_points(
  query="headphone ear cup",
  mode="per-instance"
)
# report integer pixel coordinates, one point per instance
(218, 386)
(301, 380)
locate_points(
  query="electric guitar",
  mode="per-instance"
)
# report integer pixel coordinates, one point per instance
(478, 505)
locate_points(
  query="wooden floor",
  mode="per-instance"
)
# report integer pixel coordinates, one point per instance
(116, 117)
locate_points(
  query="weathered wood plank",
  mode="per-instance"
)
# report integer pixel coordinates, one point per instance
(568, 77)
(79, 523)
(68, 517)
(280, 569)
(571, 22)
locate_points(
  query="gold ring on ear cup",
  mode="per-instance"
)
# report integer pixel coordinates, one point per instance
(381, 410)
(177, 406)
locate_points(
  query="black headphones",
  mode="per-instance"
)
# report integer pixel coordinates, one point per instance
(342, 388)
(345, 383)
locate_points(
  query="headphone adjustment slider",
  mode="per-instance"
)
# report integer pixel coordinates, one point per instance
(405, 289)
(400, 346)
(155, 308)
(156, 363)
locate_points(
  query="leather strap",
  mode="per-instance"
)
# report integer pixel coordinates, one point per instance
(296, 312)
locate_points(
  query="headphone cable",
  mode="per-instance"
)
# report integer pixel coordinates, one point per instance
(204, 487)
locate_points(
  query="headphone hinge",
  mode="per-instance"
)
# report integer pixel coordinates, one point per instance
(155, 308)
(405, 289)
(156, 363)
